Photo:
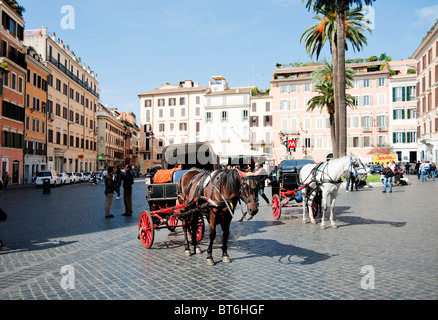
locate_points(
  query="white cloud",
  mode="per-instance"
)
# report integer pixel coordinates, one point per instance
(427, 15)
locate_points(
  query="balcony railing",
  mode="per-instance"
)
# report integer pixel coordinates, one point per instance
(15, 56)
(83, 84)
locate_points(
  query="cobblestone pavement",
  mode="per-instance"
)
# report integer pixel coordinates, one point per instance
(389, 236)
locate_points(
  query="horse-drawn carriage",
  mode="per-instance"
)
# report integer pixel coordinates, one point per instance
(162, 192)
(180, 197)
(286, 189)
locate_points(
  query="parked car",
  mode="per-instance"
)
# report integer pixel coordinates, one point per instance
(80, 176)
(73, 178)
(53, 176)
(65, 178)
(374, 168)
(86, 175)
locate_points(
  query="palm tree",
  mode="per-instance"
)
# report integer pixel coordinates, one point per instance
(353, 31)
(323, 78)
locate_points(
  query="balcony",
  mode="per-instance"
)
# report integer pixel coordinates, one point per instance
(382, 128)
(15, 56)
(83, 84)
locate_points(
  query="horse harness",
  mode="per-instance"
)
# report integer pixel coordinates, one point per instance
(205, 177)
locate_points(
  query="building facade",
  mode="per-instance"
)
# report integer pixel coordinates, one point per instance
(35, 124)
(427, 95)
(72, 101)
(403, 110)
(378, 123)
(228, 121)
(12, 57)
(170, 114)
(111, 139)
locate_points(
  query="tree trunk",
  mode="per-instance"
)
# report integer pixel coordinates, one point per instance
(342, 128)
(335, 132)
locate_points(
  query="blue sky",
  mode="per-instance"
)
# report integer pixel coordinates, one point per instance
(137, 45)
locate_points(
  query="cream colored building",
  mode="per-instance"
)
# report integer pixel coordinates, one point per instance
(111, 139)
(174, 114)
(72, 101)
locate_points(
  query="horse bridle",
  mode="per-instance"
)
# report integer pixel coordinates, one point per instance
(354, 163)
(243, 182)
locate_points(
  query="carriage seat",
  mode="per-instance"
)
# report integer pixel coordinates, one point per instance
(168, 175)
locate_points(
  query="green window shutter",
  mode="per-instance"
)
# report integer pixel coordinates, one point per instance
(1, 87)
(408, 93)
(394, 137)
(403, 93)
(404, 137)
(393, 94)
(408, 138)
(403, 113)
(393, 114)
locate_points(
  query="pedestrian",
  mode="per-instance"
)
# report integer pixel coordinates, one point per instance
(417, 169)
(423, 171)
(433, 170)
(347, 175)
(5, 180)
(388, 174)
(407, 167)
(118, 181)
(262, 175)
(110, 187)
(128, 181)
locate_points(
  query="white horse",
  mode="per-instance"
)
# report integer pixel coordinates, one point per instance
(326, 177)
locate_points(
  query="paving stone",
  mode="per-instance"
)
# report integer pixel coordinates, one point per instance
(272, 260)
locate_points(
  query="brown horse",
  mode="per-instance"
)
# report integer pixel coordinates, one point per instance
(214, 194)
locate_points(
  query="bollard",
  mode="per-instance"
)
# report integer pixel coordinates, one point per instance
(46, 186)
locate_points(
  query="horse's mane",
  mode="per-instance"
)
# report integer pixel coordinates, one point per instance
(228, 180)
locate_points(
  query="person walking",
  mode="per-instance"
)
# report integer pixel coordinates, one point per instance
(5, 180)
(433, 170)
(110, 187)
(417, 169)
(262, 175)
(388, 174)
(423, 171)
(128, 181)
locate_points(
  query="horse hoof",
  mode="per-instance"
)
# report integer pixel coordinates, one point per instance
(313, 222)
(210, 262)
(198, 250)
(188, 253)
(226, 259)
(334, 226)
(323, 226)
(305, 221)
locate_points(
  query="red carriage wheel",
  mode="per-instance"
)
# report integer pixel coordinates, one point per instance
(316, 206)
(199, 229)
(172, 223)
(146, 229)
(276, 206)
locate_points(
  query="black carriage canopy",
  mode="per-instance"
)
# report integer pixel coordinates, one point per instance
(200, 155)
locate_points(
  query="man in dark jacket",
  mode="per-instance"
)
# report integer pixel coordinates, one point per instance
(110, 187)
(128, 181)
